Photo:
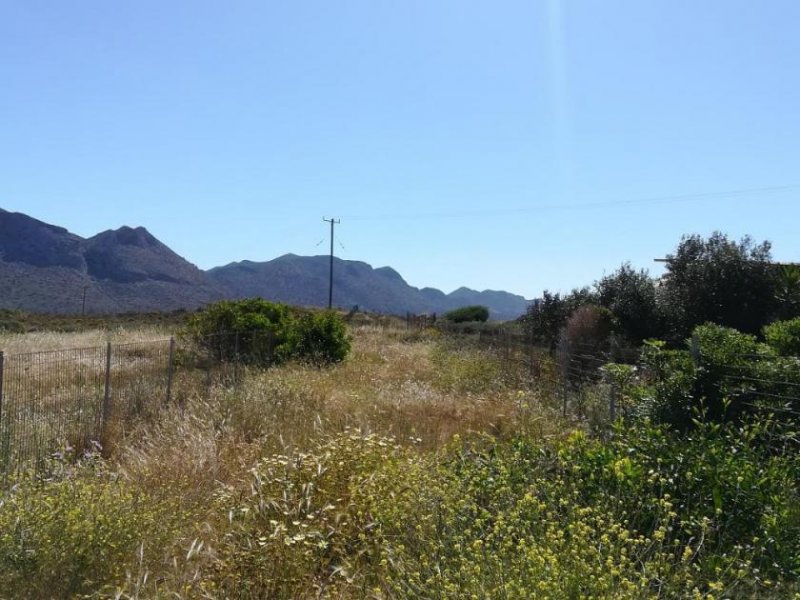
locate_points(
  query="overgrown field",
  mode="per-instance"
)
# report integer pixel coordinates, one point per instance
(417, 468)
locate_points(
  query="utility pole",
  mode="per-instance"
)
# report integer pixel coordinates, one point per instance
(83, 305)
(330, 283)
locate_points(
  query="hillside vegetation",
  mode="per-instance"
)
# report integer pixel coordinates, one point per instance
(420, 467)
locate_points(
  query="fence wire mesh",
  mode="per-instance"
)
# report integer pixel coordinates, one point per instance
(49, 398)
(79, 398)
(76, 398)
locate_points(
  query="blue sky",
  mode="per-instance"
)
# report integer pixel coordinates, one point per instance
(504, 145)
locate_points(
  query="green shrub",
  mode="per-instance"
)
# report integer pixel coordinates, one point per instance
(723, 483)
(266, 333)
(467, 314)
(723, 374)
(784, 336)
(647, 512)
(321, 338)
(79, 534)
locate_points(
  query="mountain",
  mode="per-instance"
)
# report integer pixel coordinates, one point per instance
(45, 268)
(303, 280)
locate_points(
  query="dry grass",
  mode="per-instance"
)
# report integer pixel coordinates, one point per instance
(346, 482)
(389, 386)
(399, 383)
(409, 386)
(40, 341)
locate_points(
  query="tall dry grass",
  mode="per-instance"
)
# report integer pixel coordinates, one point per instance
(411, 390)
(41, 341)
(405, 385)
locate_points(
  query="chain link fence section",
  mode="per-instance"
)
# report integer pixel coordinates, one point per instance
(48, 396)
(61, 399)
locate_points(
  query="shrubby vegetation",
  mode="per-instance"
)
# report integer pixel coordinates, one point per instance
(784, 337)
(631, 297)
(712, 279)
(79, 531)
(467, 314)
(647, 514)
(547, 317)
(10, 321)
(721, 373)
(265, 333)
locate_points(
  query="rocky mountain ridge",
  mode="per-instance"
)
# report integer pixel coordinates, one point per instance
(45, 268)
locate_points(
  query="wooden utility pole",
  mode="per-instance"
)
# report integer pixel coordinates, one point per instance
(330, 282)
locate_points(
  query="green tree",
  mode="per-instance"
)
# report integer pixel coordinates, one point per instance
(548, 316)
(721, 281)
(631, 296)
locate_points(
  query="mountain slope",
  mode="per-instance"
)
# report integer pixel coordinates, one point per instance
(45, 268)
(29, 241)
(303, 280)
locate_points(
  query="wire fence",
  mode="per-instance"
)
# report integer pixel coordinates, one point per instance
(74, 399)
(581, 377)
(79, 398)
(71, 398)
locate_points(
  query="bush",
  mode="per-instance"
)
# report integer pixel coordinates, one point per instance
(10, 322)
(645, 513)
(723, 374)
(784, 336)
(322, 338)
(265, 333)
(468, 314)
(585, 337)
(589, 328)
(720, 484)
(79, 534)
(547, 316)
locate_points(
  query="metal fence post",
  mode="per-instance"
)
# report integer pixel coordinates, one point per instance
(170, 368)
(209, 362)
(107, 390)
(236, 357)
(2, 373)
(612, 402)
(695, 350)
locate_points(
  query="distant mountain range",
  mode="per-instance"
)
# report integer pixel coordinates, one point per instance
(45, 268)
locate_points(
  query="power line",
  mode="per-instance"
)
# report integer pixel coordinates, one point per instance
(580, 205)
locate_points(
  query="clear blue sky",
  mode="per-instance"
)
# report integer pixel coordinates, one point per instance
(459, 141)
